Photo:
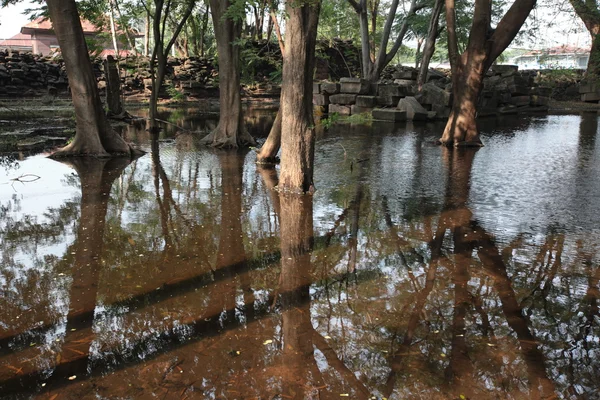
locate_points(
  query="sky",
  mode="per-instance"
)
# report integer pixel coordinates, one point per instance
(550, 35)
(12, 19)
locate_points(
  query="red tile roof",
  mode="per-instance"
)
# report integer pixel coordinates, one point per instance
(19, 39)
(43, 23)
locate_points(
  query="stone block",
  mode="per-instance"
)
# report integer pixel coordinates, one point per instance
(506, 70)
(330, 88)
(343, 98)
(518, 90)
(356, 109)
(339, 109)
(316, 88)
(542, 91)
(588, 88)
(387, 100)
(406, 87)
(406, 74)
(320, 99)
(537, 100)
(432, 94)
(414, 110)
(508, 110)
(520, 100)
(366, 101)
(354, 86)
(388, 90)
(389, 114)
(17, 73)
(590, 97)
(441, 112)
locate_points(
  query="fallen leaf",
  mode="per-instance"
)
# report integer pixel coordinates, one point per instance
(269, 341)
(72, 378)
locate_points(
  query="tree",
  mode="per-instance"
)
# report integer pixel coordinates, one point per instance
(230, 132)
(297, 124)
(93, 135)
(468, 69)
(158, 61)
(268, 151)
(373, 66)
(433, 32)
(589, 12)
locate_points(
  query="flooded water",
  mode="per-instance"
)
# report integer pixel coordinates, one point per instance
(414, 272)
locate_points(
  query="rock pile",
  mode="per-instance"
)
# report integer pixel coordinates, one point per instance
(29, 75)
(395, 97)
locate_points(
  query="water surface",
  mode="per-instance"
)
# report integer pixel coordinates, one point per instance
(413, 272)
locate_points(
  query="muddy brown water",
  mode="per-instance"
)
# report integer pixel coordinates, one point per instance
(414, 272)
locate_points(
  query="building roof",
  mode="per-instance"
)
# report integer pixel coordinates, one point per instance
(19, 39)
(44, 24)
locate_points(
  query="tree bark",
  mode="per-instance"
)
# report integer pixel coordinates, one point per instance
(93, 134)
(113, 28)
(468, 69)
(298, 131)
(147, 34)
(589, 13)
(433, 32)
(113, 87)
(230, 132)
(268, 151)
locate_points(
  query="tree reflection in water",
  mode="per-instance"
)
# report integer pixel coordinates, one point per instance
(190, 276)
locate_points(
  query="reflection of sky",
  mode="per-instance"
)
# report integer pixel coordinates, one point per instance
(36, 198)
(49, 191)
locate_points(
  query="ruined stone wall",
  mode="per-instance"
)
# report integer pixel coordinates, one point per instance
(395, 98)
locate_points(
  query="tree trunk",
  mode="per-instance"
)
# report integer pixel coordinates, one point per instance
(589, 13)
(298, 131)
(147, 35)
(93, 135)
(593, 68)
(432, 34)
(461, 128)
(230, 132)
(418, 52)
(113, 87)
(161, 50)
(204, 28)
(268, 151)
(468, 69)
(113, 28)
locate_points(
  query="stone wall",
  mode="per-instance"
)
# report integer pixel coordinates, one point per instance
(26, 75)
(506, 91)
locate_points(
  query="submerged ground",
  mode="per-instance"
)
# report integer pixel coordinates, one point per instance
(414, 272)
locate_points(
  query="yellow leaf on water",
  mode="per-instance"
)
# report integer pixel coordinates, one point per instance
(72, 378)
(344, 395)
(268, 341)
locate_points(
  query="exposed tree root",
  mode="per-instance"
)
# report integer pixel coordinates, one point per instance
(220, 141)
